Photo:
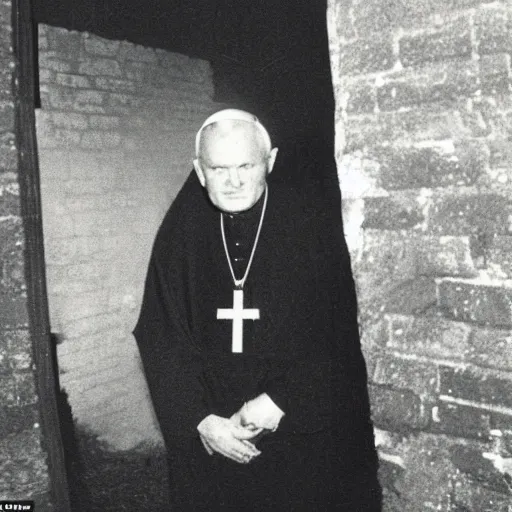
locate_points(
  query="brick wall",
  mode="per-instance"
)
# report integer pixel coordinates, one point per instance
(423, 128)
(115, 133)
(23, 457)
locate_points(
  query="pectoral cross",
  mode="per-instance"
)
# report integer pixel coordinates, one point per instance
(238, 314)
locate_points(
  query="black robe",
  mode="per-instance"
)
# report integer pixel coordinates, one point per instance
(304, 352)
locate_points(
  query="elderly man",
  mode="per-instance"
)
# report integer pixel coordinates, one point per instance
(249, 339)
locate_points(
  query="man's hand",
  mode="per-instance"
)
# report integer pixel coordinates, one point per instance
(222, 436)
(259, 413)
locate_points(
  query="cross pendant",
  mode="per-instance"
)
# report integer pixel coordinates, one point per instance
(238, 314)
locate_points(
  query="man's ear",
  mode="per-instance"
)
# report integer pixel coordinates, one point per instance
(272, 159)
(199, 172)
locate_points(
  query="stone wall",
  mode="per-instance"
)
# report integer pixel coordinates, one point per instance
(116, 132)
(423, 127)
(23, 456)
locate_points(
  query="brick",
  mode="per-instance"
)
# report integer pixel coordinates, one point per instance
(124, 102)
(394, 212)
(493, 30)
(71, 80)
(491, 348)
(100, 67)
(51, 63)
(461, 421)
(129, 51)
(444, 255)
(99, 46)
(104, 122)
(443, 82)
(404, 374)
(476, 385)
(476, 301)
(114, 84)
(16, 419)
(8, 158)
(65, 43)
(69, 120)
(469, 460)
(366, 56)
(396, 410)
(471, 214)
(428, 336)
(495, 74)
(453, 40)
(100, 140)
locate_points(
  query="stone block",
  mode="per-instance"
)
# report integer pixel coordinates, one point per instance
(471, 214)
(429, 336)
(413, 296)
(396, 212)
(444, 82)
(476, 385)
(19, 349)
(451, 40)
(9, 196)
(71, 80)
(476, 301)
(367, 56)
(17, 419)
(495, 74)
(434, 164)
(6, 116)
(8, 157)
(469, 460)
(491, 348)
(397, 410)
(361, 97)
(471, 496)
(23, 467)
(461, 421)
(499, 256)
(100, 67)
(444, 256)
(493, 30)
(427, 122)
(407, 374)
(98, 46)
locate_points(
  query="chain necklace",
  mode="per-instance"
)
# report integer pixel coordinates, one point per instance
(239, 283)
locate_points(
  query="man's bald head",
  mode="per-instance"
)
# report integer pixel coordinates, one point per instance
(230, 133)
(230, 119)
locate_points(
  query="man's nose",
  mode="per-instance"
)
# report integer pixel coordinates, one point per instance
(234, 178)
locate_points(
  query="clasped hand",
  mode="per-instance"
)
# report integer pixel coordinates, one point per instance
(231, 437)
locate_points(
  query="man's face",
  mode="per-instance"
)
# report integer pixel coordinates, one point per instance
(233, 165)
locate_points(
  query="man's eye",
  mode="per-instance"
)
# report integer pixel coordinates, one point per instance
(246, 166)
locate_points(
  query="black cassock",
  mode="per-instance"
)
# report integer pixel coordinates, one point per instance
(303, 351)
